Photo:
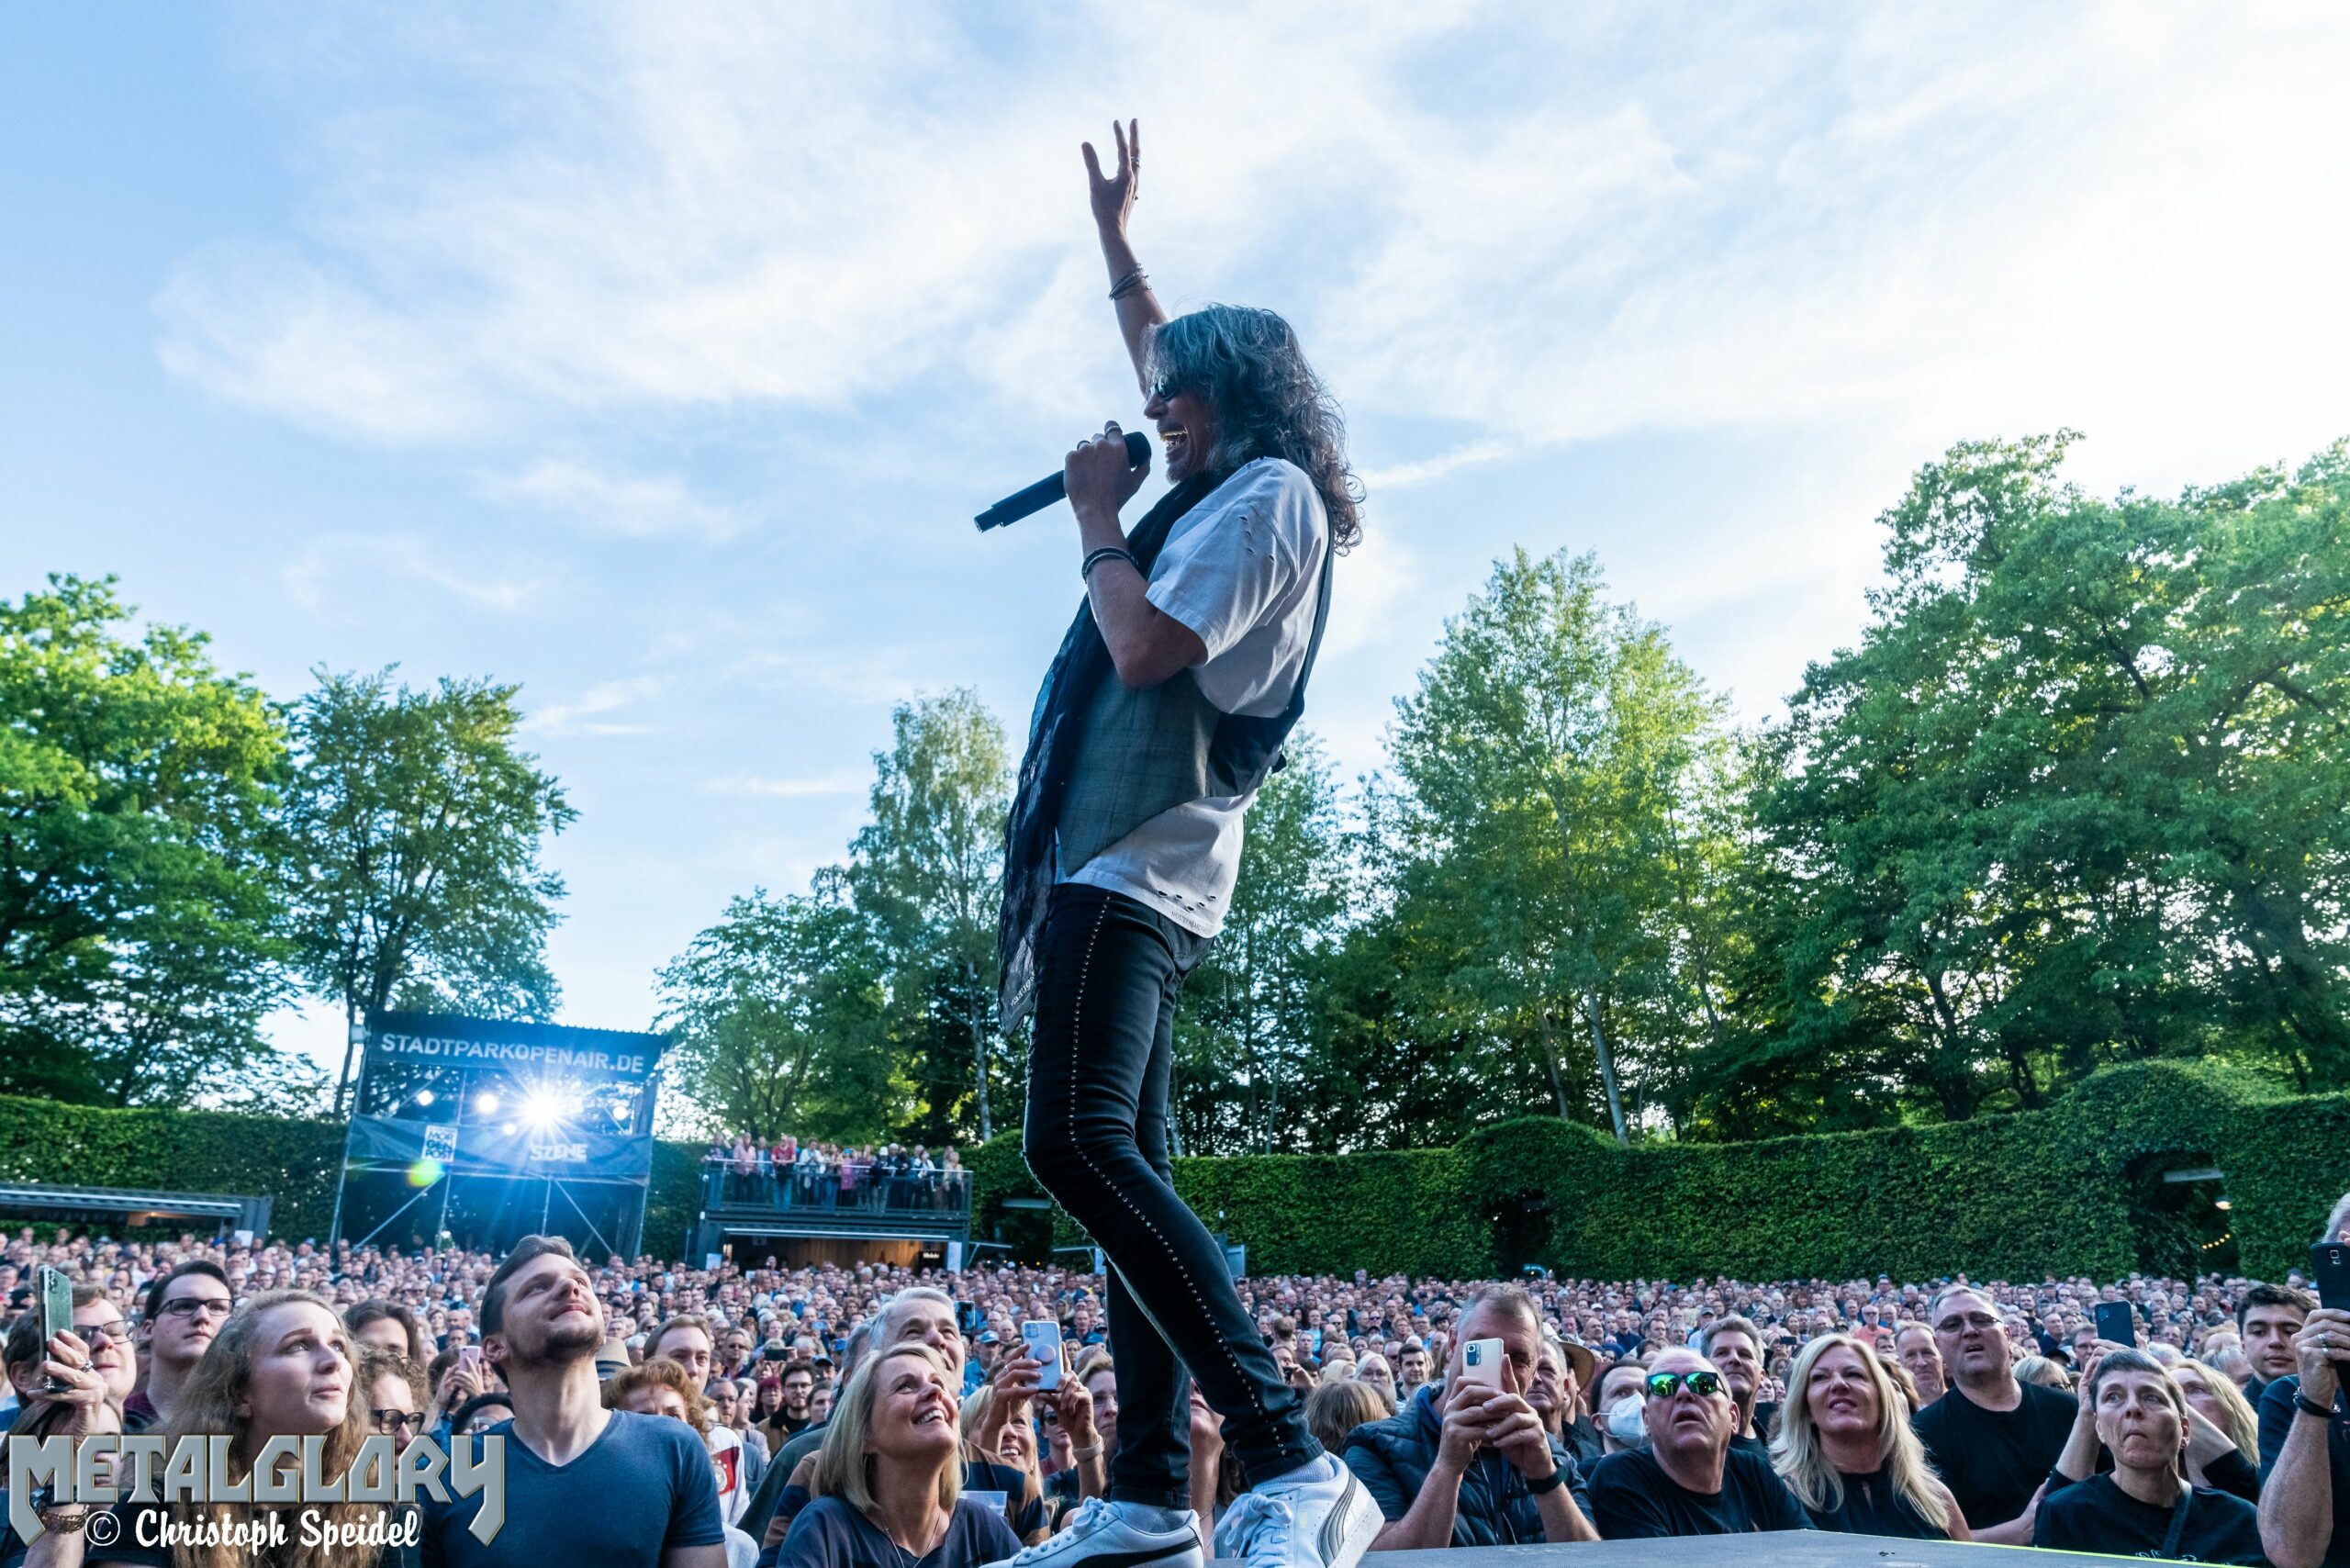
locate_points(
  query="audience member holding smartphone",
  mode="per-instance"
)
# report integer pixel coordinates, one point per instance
(1845, 1450)
(2144, 1506)
(2305, 1427)
(890, 1476)
(284, 1365)
(1468, 1462)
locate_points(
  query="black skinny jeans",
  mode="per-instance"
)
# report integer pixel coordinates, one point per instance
(1096, 1138)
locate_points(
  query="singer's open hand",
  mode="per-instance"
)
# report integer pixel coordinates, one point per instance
(1098, 477)
(1114, 197)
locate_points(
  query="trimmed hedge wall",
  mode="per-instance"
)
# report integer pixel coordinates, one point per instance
(2073, 1188)
(178, 1151)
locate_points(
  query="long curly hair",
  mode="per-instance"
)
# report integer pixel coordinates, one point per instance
(207, 1406)
(1247, 364)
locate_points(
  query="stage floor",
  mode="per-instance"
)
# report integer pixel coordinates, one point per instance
(1778, 1549)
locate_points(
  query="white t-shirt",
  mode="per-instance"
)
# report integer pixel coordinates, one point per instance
(1240, 570)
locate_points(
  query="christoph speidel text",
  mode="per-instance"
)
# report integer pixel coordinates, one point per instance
(146, 1467)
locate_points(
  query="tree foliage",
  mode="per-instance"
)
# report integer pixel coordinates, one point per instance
(138, 949)
(928, 869)
(412, 831)
(2081, 795)
(779, 1018)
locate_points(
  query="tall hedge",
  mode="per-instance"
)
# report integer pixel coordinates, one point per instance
(2065, 1188)
(2073, 1188)
(292, 1162)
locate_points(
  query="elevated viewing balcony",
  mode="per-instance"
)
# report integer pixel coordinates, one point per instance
(838, 1214)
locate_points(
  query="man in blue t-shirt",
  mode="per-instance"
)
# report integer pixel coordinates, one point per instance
(583, 1483)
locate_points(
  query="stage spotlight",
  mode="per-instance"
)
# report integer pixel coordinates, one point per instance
(486, 1102)
(424, 1097)
(543, 1108)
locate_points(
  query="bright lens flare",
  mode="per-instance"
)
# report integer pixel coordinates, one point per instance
(543, 1108)
(424, 1173)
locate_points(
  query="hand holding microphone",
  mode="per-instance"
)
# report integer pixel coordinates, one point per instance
(1100, 472)
(1108, 476)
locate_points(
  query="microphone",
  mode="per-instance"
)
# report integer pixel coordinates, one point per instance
(1048, 490)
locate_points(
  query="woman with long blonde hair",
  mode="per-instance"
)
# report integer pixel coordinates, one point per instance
(1845, 1449)
(889, 1478)
(283, 1366)
(2213, 1396)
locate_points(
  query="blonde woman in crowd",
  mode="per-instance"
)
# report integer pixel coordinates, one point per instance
(889, 1477)
(1846, 1451)
(283, 1366)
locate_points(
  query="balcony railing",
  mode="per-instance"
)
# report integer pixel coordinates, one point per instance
(831, 1193)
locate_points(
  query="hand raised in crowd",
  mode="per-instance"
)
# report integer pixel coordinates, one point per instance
(1072, 1406)
(81, 1392)
(1515, 1429)
(1014, 1384)
(1466, 1426)
(1114, 195)
(2086, 1413)
(2321, 1347)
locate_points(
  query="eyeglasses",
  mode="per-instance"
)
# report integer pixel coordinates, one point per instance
(389, 1421)
(1664, 1385)
(193, 1305)
(114, 1333)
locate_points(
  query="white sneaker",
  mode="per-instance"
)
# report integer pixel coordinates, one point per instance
(1321, 1520)
(1099, 1536)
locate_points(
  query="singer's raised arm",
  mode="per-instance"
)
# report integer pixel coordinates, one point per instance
(1113, 203)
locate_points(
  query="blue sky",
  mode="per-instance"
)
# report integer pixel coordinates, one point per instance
(656, 357)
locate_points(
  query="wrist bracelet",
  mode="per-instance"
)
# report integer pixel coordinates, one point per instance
(1134, 281)
(1091, 1452)
(2308, 1406)
(1107, 553)
(1550, 1482)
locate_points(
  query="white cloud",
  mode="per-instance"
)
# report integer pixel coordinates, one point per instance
(1540, 225)
(589, 712)
(759, 786)
(637, 508)
(343, 569)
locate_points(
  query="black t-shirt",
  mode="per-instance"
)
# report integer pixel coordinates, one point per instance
(1873, 1506)
(831, 1533)
(1993, 1460)
(1632, 1497)
(2277, 1413)
(2097, 1514)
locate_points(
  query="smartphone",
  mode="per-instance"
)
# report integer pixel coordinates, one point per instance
(1043, 1337)
(56, 1315)
(1481, 1361)
(469, 1358)
(2117, 1322)
(2330, 1270)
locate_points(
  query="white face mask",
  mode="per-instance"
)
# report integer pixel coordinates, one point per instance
(1623, 1422)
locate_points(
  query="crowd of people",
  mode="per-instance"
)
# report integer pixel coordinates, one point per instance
(789, 1173)
(873, 1418)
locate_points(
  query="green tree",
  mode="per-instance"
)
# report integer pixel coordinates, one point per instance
(1542, 853)
(1244, 1036)
(138, 954)
(780, 1021)
(2078, 795)
(414, 825)
(928, 870)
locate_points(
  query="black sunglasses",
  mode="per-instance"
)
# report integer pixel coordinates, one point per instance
(1703, 1384)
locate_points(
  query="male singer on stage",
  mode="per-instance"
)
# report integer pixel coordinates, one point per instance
(1162, 714)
